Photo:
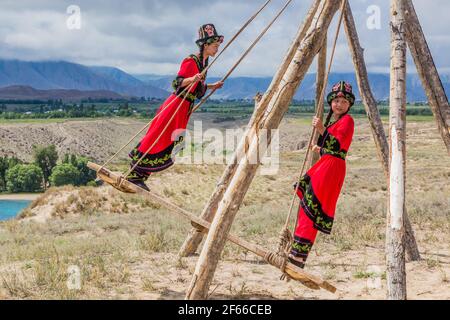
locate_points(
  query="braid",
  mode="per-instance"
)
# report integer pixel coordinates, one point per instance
(327, 121)
(202, 87)
(202, 48)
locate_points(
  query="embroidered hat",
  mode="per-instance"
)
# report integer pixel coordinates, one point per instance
(207, 34)
(341, 89)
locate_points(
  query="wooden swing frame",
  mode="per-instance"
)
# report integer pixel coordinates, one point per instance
(294, 272)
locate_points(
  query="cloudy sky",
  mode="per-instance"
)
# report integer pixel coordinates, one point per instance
(152, 36)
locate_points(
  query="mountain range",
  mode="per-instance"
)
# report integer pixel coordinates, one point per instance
(57, 75)
(247, 87)
(66, 75)
(29, 93)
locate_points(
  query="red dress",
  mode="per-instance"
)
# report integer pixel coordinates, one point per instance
(161, 154)
(319, 188)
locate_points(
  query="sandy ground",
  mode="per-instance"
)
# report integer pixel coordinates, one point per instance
(20, 196)
(252, 278)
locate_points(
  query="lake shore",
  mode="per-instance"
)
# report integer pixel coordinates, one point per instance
(20, 196)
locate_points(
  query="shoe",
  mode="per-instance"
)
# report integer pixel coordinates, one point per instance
(140, 184)
(293, 260)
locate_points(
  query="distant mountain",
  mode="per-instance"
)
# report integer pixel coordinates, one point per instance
(30, 93)
(71, 76)
(118, 76)
(149, 77)
(66, 75)
(246, 87)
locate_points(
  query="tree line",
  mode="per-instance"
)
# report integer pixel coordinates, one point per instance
(56, 111)
(44, 171)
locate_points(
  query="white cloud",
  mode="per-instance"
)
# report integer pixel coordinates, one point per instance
(153, 36)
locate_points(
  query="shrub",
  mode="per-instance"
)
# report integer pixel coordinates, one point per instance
(64, 174)
(24, 178)
(45, 158)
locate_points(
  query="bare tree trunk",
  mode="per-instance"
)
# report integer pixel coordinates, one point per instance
(245, 172)
(395, 246)
(313, 157)
(195, 237)
(376, 125)
(428, 73)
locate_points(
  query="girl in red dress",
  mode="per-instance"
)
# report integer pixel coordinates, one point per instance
(319, 188)
(161, 154)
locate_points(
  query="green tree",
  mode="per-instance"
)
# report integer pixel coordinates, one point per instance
(64, 174)
(86, 175)
(5, 164)
(73, 160)
(24, 178)
(45, 158)
(66, 158)
(12, 162)
(3, 168)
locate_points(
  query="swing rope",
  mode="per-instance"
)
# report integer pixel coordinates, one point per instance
(244, 55)
(189, 87)
(212, 91)
(285, 236)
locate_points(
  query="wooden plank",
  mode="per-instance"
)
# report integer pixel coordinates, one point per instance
(296, 273)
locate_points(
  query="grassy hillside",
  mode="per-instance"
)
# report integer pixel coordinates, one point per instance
(125, 246)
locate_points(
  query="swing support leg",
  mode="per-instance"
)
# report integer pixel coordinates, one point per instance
(376, 125)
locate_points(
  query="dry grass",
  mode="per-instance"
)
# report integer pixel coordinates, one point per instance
(125, 245)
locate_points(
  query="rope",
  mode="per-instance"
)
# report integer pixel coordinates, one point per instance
(284, 238)
(187, 88)
(244, 55)
(212, 91)
(143, 128)
(279, 258)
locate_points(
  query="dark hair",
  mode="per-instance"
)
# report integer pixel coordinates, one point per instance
(330, 113)
(202, 47)
(327, 121)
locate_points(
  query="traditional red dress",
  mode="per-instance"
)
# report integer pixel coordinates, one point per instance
(319, 188)
(161, 155)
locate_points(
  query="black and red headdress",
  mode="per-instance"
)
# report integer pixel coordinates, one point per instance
(341, 89)
(207, 34)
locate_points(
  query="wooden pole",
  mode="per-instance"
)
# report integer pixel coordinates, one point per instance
(194, 237)
(395, 246)
(313, 157)
(431, 82)
(376, 125)
(245, 171)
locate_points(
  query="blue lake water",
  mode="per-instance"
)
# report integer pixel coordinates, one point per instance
(11, 208)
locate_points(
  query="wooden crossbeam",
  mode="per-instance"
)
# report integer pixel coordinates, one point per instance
(294, 272)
